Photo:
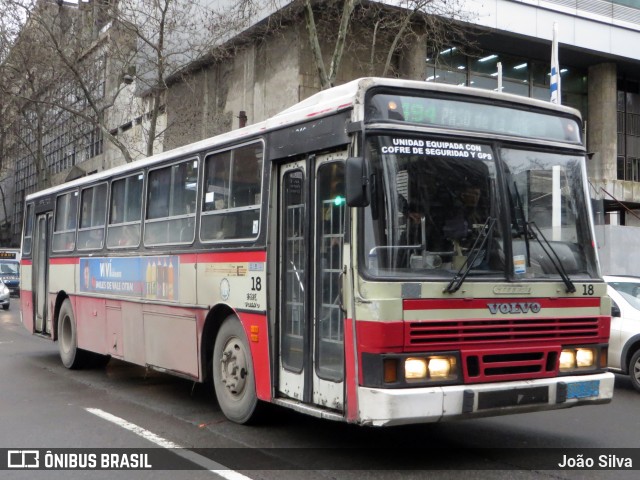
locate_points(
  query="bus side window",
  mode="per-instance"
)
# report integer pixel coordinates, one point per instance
(231, 198)
(28, 230)
(92, 217)
(170, 213)
(66, 217)
(125, 212)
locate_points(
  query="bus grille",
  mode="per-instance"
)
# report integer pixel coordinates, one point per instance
(511, 364)
(460, 333)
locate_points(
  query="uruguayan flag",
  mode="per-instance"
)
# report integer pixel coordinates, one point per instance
(555, 68)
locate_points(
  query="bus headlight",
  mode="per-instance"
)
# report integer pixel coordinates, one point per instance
(439, 368)
(578, 358)
(431, 368)
(415, 368)
(567, 359)
(585, 357)
(410, 369)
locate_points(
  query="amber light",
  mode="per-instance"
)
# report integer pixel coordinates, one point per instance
(390, 370)
(255, 330)
(603, 357)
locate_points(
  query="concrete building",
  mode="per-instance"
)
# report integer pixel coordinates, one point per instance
(266, 69)
(600, 71)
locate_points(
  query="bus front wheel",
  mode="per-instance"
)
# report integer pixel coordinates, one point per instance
(233, 376)
(72, 357)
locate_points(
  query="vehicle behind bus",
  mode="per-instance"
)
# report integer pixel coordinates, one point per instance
(10, 269)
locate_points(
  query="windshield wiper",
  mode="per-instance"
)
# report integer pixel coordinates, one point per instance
(478, 245)
(523, 220)
(558, 266)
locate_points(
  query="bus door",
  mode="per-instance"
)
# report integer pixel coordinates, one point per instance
(40, 277)
(311, 321)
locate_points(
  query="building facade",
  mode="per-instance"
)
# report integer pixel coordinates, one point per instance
(600, 72)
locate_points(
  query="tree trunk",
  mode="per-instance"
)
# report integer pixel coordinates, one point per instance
(315, 44)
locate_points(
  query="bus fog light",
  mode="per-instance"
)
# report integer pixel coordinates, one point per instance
(585, 357)
(567, 359)
(439, 367)
(415, 368)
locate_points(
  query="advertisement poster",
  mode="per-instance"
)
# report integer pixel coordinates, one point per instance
(148, 277)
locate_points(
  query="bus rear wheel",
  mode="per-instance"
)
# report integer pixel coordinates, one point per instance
(233, 375)
(72, 357)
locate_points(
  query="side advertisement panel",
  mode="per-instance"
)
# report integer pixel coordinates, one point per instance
(148, 277)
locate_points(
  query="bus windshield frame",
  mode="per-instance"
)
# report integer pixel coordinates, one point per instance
(436, 196)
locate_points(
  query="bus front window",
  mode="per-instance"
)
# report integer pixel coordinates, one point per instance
(547, 200)
(431, 200)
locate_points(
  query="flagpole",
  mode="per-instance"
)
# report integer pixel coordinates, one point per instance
(555, 88)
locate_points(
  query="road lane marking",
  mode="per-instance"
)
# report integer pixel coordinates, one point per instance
(213, 467)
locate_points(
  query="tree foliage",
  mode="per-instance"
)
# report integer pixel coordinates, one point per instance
(390, 26)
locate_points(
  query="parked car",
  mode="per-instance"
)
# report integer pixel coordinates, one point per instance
(624, 343)
(10, 270)
(5, 296)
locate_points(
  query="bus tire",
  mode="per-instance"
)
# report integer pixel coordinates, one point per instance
(634, 370)
(72, 357)
(233, 375)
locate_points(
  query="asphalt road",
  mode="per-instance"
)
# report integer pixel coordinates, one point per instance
(45, 406)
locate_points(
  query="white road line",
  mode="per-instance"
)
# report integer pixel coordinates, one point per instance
(213, 467)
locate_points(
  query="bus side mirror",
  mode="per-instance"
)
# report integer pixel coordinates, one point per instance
(615, 310)
(357, 182)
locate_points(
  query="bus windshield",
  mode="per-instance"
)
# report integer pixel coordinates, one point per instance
(9, 267)
(436, 208)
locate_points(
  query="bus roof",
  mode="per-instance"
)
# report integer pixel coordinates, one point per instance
(323, 103)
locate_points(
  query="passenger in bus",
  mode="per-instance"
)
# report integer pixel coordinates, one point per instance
(467, 218)
(128, 236)
(94, 238)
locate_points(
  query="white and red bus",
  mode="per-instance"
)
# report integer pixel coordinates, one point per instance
(384, 252)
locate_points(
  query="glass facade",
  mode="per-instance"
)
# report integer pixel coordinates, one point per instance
(628, 131)
(520, 75)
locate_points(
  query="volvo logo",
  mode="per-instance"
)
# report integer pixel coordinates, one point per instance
(514, 307)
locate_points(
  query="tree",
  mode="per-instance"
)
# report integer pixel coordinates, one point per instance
(393, 23)
(173, 36)
(119, 53)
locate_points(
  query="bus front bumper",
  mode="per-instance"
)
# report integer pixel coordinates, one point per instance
(385, 407)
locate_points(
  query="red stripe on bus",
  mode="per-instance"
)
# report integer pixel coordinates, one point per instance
(214, 257)
(478, 303)
(232, 257)
(64, 261)
(380, 336)
(189, 258)
(350, 373)
(26, 263)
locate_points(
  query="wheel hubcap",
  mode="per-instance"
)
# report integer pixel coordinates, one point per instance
(65, 337)
(234, 367)
(636, 371)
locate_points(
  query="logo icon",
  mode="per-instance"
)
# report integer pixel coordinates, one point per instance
(23, 459)
(225, 289)
(514, 307)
